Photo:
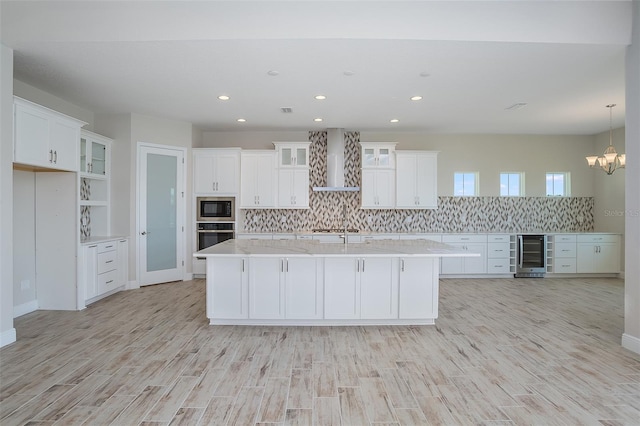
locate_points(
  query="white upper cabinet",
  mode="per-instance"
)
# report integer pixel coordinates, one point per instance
(45, 138)
(95, 154)
(216, 171)
(293, 188)
(293, 174)
(258, 179)
(378, 154)
(416, 180)
(293, 154)
(378, 189)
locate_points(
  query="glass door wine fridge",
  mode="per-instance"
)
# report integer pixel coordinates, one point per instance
(532, 256)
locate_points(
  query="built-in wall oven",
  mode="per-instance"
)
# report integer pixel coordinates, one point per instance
(217, 209)
(532, 256)
(212, 233)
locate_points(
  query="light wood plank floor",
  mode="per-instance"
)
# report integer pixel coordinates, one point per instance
(504, 351)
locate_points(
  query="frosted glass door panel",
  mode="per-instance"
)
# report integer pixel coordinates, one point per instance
(161, 212)
(98, 158)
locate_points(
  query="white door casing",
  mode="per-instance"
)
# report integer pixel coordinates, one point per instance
(160, 229)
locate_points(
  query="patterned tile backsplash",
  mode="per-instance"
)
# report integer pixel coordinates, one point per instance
(454, 214)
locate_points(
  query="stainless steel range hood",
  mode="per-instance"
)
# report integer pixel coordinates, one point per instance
(335, 163)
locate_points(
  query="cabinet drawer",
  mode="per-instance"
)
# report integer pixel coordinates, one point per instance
(107, 261)
(498, 266)
(566, 265)
(569, 238)
(108, 246)
(499, 238)
(107, 281)
(464, 238)
(498, 250)
(598, 238)
(564, 250)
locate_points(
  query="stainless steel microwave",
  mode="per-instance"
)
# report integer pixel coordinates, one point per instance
(218, 209)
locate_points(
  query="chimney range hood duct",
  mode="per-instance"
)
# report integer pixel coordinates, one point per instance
(335, 163)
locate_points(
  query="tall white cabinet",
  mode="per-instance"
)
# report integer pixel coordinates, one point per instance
(378, 186)
(257, 182)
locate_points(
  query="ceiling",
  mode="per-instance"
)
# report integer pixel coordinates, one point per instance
(468, 60)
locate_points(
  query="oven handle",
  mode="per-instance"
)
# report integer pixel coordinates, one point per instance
(215, 231)
(520, 255)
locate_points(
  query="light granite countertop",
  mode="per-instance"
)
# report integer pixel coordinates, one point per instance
(291, 248)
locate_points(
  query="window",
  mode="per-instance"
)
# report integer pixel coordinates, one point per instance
(558, 184)
(465, 183)
(511, 184)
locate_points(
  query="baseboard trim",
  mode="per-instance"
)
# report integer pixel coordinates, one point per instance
(132, 285)
(188, 276)
(631, 342)
(25, 308)
(7, 337)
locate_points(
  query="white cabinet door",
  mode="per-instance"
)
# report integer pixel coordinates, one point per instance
(89, 274)
(418, 293)
(293, 154)
(266, 295)
(378, 154)
(293, 188)
(227, 288)
(378, 189)
(123, 262)
(303, 289)
(416, 185)
(378, 288)
(598, 258)
(341, 288)
(31, 129)
(258, 180)
(95, 154)
(216, 171)
(46, 138)
(65, 143)
(466, 265)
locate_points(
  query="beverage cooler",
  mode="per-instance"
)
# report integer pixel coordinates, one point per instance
(532, 256)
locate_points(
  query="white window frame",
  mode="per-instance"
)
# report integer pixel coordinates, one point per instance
(475, 184)
(566, 188)
(520, 185)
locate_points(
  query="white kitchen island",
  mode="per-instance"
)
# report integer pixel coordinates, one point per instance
(303, 282)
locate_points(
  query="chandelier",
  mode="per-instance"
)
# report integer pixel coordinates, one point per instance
(610, 161)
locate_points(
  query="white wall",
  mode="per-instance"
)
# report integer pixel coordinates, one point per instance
(24, 242)
(53, 102)
(7, 331)
(250, 140)
(631, 336)
(163, 132)
(609, 189)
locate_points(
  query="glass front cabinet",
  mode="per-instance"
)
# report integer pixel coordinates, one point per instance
(94, 154)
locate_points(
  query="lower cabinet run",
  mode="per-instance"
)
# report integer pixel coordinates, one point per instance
(103, 268)
(345, 290)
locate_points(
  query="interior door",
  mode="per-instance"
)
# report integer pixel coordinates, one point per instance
(160, 214)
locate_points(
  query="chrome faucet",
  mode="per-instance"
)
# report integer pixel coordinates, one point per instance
(344, 221)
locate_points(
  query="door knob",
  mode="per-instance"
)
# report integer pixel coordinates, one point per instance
(143, 233)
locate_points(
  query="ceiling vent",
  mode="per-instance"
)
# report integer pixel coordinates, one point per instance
(286, 110)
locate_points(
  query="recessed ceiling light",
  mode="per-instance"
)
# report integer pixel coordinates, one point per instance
(241, 120)
(416, 98)
(224, 97)
(320, 97)
(317, 120)
(348, 73)
(394, 120)
(424, 74)
(273, 73)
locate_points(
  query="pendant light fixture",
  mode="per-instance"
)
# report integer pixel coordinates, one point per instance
(610, 161)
